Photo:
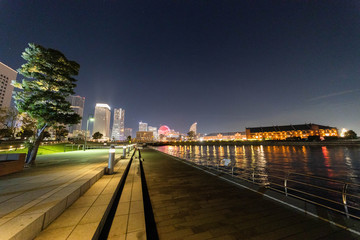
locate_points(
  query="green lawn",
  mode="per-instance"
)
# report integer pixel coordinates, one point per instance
(45, 149)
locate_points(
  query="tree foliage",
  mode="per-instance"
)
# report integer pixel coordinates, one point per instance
(97, 135)
(25, 133)
(27, 127)
(60, 132)
(9, 120)
(49, 80)
(191, 134)
(350, 134)
(5, 133)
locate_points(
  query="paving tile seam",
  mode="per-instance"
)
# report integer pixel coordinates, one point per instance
(114, 206)
(49, 182)
(120, 167)
(130, 215)
(131, 186)
(285, 231)
(136, 170)
(27, 206)
(22, 192)
(263, 194)
(73, 227)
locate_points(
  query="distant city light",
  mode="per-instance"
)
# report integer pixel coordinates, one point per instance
(343, 131)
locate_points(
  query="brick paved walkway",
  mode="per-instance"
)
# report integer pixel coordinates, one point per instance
(191, 204)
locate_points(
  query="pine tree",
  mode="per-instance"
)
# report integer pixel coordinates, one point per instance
(49, 80)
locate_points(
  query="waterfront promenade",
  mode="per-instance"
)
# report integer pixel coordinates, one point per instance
(30, 200)
(191, 204)
(67, 196)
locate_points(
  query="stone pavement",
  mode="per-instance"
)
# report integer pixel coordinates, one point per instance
(85, 218)
(32, 199)
(191, 204)
(129, 219)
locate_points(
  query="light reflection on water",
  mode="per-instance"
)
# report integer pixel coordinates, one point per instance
(335, 162)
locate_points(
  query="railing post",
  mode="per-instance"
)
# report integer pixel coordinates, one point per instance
(232, 171)
(344, 199)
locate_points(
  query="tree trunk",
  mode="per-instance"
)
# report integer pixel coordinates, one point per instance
(30, 160)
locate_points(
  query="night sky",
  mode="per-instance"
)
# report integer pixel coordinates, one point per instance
(224, 64)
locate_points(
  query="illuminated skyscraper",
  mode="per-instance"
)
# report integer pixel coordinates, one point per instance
(77, 105)
(7, 74)
(154, 130)
(143, 127)
(118, 125)
(102, 120)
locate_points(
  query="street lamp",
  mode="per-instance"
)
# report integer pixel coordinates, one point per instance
(90, 119)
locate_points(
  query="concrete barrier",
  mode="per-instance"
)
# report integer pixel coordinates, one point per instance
(11, 163)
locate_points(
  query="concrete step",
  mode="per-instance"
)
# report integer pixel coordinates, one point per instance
(27, 212)
(86, 217)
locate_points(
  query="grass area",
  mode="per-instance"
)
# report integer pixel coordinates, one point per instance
(44, 149)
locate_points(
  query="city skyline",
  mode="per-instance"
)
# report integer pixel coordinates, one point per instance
(102, 118)
(227, 65)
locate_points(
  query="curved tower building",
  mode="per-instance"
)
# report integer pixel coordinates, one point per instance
(193, 127)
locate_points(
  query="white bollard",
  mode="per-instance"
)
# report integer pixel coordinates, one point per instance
(110, 169)
(124, 152)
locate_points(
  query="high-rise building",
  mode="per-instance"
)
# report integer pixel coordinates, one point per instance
(118, 125)
(193, 127)
(143, 127)
(154, 130)
(102, 120)
(77, 105)
(128, 132)
(7, 74)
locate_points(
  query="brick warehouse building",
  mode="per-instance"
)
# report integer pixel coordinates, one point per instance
(290, 131)
(225, 136)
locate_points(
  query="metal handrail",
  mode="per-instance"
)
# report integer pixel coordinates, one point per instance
(319, 204)
(253, 175)
(286, 188)
(308, 184)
